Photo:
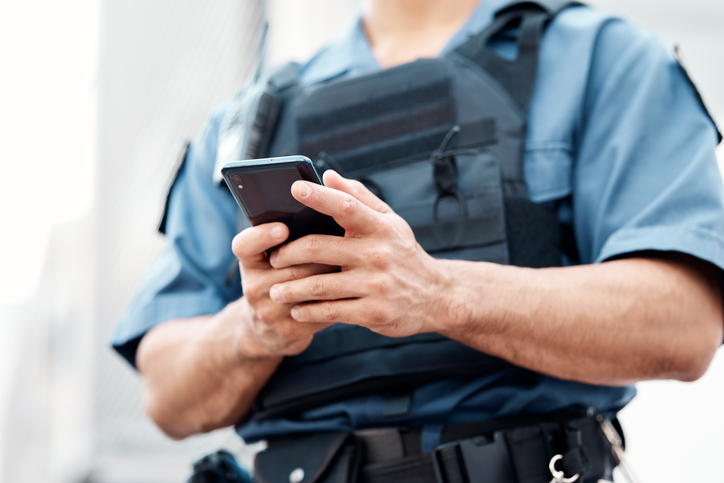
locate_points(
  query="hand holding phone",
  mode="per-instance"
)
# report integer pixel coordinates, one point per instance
(262, 188)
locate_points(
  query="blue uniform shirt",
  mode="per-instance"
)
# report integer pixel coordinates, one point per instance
(617, 143)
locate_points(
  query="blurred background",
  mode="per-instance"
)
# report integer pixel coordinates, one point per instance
(97, 98)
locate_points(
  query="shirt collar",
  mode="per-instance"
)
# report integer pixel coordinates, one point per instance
(351, 54)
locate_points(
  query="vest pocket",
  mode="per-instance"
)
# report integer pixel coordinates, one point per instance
(466, 223)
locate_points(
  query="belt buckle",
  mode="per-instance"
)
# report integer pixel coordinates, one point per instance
(478, 459)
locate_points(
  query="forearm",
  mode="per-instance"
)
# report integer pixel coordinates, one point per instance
(614, 323)
(202, 373)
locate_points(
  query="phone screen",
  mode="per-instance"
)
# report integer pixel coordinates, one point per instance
(263, 191)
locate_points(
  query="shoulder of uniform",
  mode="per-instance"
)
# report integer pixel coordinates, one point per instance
(332, 61)
(606, 36)
(318, 60)
(609, 25)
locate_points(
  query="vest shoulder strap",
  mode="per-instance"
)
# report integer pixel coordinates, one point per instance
(517, 76)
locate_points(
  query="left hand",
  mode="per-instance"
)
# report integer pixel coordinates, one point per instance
(387, 282)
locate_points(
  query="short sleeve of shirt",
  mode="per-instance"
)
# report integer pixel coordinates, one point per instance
(645, 175)
(189, 278)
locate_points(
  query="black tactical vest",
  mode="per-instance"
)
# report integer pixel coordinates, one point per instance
(442, 142)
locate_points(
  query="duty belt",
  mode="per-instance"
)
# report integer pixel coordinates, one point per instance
(500, 451)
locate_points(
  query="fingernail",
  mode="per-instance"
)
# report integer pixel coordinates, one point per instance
(304, 189)
(274, 293)
(277, 232)
(273, 257)
(295, 313)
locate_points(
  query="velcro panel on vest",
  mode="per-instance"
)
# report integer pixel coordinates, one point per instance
(391, 116)
(379, 131)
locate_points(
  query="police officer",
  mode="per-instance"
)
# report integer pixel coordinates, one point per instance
(618, 147)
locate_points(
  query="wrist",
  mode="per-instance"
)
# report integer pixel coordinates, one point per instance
(468, 300)
(451, 303)
(242, 343)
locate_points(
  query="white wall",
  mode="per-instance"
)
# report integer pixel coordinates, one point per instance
(98, 98)
(47, 135)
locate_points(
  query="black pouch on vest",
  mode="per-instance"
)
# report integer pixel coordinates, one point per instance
(318, 458)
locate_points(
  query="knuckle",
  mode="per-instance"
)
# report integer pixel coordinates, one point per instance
(296, 345)
(383, 225)
(411, 246)
(328, 311)
(265, 313)
(317, 287)
(312, 244)
(381, 257)
(296, 272)
(380, 285)
(349, 205)
(358, 188)
(379, 314)
(251, 291)
(318, 194)
(287, 331)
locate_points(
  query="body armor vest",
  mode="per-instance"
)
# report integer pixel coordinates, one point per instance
(442, 142)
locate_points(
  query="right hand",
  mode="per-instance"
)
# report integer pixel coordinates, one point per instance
(270, 325)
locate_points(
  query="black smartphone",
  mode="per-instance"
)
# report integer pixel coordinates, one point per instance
(262, 188)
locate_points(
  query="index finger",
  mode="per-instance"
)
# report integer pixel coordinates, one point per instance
(333, 179)
(348, 211)
(251, 244)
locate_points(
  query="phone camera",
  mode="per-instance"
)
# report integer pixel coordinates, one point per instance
(236, 179)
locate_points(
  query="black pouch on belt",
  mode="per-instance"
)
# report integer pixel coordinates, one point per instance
(318, 458)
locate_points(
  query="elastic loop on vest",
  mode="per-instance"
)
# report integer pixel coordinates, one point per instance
(440, 234)
(462, 205)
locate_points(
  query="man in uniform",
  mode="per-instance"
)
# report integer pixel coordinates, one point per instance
(618, 146)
